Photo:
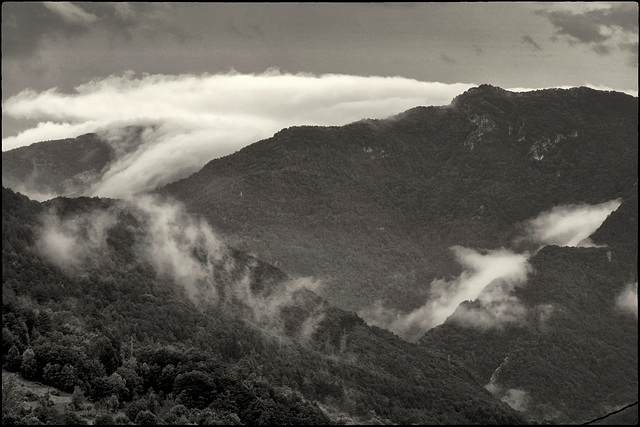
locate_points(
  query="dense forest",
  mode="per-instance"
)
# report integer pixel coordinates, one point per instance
(242, 294)
(373, 207)
(138, 344)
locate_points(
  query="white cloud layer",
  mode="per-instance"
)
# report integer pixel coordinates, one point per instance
(195, 118)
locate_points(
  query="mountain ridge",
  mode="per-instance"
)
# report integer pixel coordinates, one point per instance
(388, 213)
(398, 174)
(153, 343)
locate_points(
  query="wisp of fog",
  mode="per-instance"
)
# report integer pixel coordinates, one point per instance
(178, 246)
(489, 277)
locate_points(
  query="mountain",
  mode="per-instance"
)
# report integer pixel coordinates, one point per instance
(56, 168)
(573, 356)
(388, 217)
(143, 313)
(68, 167)
(373, 208)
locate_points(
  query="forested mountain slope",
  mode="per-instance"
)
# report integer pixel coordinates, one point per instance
(56, 168)
(573, 356)
(144, 311)
(373, 208)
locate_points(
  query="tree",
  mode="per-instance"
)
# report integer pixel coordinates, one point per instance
(11, 395)
(13, 359)
(135, 408)
(29, 365)
(167, 378)
(132, 380)
(71, 418)
(102, 388)
(50, 374)
(195, 389)
(107, 353)
(68, 378)
(77, 399)
(9, 339)
(44, 321)
(103, 419)
(146, 418)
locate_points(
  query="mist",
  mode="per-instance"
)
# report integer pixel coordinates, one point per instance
(192, 119)
(488, 276)
(177, 246)
(627, 301)
(74, 242)
(569, 225)
(482, 296)
(517, 398)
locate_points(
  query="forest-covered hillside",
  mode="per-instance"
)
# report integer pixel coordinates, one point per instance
(574, 356)
(65, 167)
(133, 301)
(94, 305)
(373, 208)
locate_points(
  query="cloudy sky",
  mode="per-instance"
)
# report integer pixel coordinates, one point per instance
(70, 67)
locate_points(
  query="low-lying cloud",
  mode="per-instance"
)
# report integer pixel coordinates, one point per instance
(628, 299)
(482, 296)
(488, 276)
(517, 398)
(569, 225)
(77, 241)
(191, 119)
(178, 246)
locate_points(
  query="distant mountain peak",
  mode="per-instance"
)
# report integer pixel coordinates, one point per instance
(484, 91)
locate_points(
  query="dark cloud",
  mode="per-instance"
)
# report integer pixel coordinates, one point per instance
(586, 27)
(446, 58)
(528, 40)
(599, 28)
(247, 31)
(580, 28)
(26, 25)
(601, 49)
(632, 49)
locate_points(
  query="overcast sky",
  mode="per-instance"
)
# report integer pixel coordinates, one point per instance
(85, 49)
